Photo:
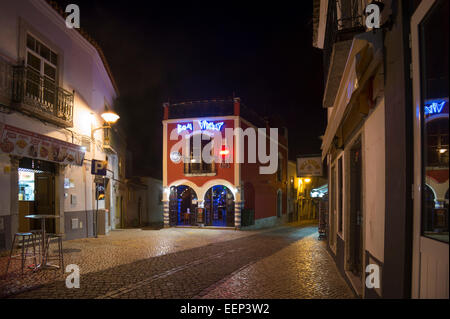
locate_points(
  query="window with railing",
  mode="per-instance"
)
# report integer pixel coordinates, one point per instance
(35, 85)
(41, 72)
(350, 13)
(345, 18)
(195, 163)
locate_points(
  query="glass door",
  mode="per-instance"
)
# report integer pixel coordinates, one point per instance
(429, 33)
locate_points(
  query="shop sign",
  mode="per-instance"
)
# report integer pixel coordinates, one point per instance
(309, 166)
(99, 167)
(435, 107)
(204, 126)
(20, 142)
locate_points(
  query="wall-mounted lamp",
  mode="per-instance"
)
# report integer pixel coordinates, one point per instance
(110, 118)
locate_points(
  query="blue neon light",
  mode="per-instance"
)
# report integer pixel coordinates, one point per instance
(184, 127)
(434, 107)
(205, 125)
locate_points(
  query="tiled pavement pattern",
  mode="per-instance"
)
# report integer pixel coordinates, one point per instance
(301, 270)
(286, 262)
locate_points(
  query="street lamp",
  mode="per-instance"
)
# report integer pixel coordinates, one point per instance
(110, 118)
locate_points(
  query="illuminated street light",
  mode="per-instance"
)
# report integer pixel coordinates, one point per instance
(307, 180)
(110, 117)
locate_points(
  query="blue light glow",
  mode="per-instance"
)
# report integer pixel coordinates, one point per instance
(184, 127)
(205, 125)
(434, 107)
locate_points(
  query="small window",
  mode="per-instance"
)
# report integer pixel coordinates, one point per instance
(44, 52)
(26, 184)
(31, 43)
(34, 62)
(49, 71)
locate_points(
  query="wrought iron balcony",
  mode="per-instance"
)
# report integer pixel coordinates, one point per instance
(345, 18)
(26, 90)
(5, 83)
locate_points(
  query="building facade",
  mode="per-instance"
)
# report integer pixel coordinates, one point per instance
(386, 143)
(221, 192)
(54, 84)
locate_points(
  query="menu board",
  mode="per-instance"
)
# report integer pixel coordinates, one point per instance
(20, 142)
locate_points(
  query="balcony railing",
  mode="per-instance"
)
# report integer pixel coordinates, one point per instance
(5, 82)
(41, 97)
(200, 168)
(345, 18)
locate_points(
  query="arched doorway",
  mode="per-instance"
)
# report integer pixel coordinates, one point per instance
(219, 207)
(182, 206)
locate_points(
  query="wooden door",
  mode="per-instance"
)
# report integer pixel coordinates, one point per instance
(45, 198)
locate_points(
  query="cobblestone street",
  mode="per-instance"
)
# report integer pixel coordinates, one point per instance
(284, 262)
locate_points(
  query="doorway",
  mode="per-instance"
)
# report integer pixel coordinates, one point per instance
(36, 193)
(430, 50)
(355, 262)
(219, 207)
(119, 210)
(182, 206)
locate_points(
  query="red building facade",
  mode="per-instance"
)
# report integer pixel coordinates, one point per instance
(216, 194)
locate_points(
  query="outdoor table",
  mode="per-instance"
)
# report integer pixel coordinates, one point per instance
(43, 262)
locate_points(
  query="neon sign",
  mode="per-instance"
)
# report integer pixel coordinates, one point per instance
(434, 107)
(184, 127)
(205, 125)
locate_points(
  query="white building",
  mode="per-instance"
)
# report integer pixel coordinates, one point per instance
(386, 144)
(54, 84)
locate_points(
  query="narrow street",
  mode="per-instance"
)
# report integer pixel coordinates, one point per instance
(284, 262)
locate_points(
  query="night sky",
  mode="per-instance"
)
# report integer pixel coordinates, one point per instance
(261, 52)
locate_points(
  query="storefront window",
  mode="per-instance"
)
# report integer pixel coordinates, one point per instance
(26, 184)
(435, 145)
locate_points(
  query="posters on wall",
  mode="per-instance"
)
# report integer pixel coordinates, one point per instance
(20, 142)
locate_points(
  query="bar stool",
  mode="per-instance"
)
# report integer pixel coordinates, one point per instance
(60, 256)
(37, 233)
(25, 239)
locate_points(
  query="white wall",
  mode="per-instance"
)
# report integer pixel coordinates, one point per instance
(374, 181)
(80, 69)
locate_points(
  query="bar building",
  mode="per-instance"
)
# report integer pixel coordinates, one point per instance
(223, 194)
(386, 143)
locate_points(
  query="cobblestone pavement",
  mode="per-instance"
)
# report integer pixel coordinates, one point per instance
(285, 262)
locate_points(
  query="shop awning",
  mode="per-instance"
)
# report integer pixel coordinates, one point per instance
(20, 142)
